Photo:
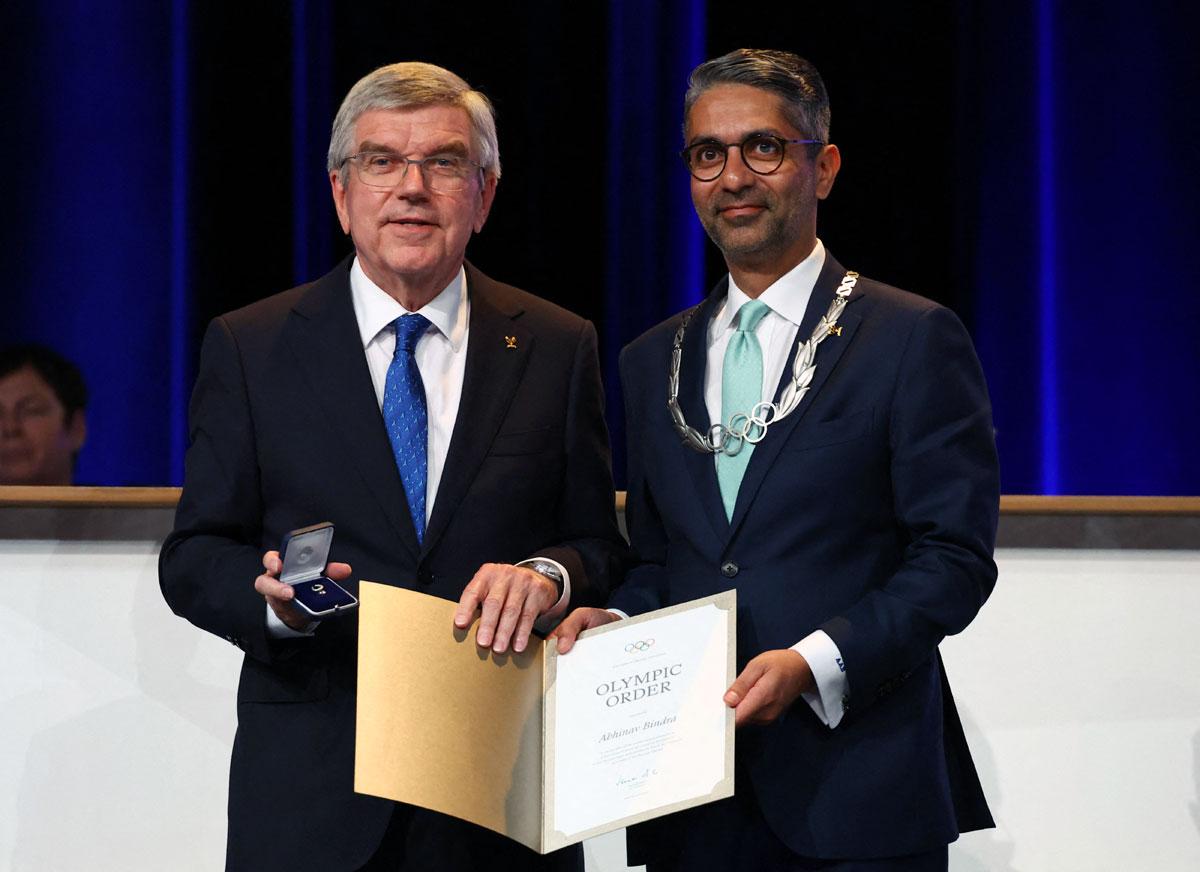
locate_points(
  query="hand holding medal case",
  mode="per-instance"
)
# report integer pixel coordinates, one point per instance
(305, 554)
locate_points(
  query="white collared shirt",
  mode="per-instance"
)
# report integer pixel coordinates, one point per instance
(787, 299)
(441, 355)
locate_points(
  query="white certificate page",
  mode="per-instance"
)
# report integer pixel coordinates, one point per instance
(638, 726)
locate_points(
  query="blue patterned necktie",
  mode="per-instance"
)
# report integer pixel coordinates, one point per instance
(406, 418)
(741, 391)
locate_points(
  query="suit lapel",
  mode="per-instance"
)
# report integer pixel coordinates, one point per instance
(828, 354)
(323, 335)
(701, 467)
(498, 351)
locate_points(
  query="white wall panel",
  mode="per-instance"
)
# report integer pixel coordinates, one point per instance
(1078, 685)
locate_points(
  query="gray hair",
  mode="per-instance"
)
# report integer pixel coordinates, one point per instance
(410, 85)
(805, 102)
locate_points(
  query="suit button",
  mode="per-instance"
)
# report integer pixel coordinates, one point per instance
(729, 569)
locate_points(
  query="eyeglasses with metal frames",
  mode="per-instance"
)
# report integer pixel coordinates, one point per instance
(446, 173)
(763, 153)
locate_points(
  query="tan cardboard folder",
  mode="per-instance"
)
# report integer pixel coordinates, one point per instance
(446, 725)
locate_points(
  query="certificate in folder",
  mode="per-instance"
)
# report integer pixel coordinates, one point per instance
(546, 750)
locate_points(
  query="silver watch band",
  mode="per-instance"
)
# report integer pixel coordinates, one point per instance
(541, 567)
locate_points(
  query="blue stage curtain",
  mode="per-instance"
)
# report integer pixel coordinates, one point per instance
(1086, 312)
(654, 258)
(312, 109)
(140, 161)
(97, 153)
(168, 164)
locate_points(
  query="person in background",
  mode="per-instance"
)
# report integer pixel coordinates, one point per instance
(43, 416)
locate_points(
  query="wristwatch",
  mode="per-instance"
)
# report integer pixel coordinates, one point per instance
(544, 567)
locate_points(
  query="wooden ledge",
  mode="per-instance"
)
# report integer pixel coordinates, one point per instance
(1033, 504)
(1011, 504)
(1026, 504)
(147, 513)
(90, 497)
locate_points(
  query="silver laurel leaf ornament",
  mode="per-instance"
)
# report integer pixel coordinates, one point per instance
(752, 427)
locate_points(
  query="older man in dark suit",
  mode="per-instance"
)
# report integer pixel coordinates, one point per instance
(451, 428)
(823, 443)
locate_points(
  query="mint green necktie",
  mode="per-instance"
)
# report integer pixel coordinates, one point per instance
(741, 391)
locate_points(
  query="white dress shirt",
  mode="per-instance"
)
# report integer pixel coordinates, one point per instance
(787, 299)
(441, 355)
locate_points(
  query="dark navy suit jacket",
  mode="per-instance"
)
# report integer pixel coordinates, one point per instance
(285, 432)
(870, 513)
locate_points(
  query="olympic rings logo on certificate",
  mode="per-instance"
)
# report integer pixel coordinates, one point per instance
(642, 645)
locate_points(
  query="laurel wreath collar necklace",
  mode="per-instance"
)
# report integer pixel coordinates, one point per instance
(752, 426)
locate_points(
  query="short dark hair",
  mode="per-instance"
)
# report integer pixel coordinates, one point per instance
(805, 101)
(62, 375)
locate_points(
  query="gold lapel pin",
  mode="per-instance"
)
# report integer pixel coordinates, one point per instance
(510, 342)
(835, 329)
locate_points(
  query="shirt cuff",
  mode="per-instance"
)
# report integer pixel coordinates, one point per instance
(620, 614)
(277, 629)
(832, 696)
(550, 619)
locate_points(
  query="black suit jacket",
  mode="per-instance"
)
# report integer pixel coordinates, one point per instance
(285, 432)
(871, 513)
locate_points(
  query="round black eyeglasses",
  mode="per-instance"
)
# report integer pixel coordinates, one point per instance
(761, 152)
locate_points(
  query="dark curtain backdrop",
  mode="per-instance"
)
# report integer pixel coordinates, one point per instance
(1030, 164)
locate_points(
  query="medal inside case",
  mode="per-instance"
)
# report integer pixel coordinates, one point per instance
(305, 555)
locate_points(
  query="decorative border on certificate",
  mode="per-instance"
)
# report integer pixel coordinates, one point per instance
(638, 726)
